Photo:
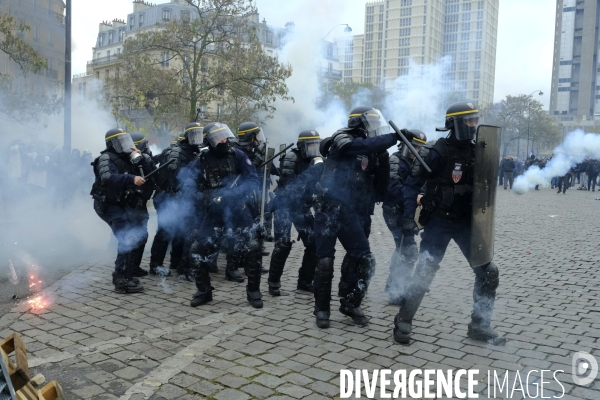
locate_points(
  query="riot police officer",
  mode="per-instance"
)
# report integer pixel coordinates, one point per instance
(161, 201)
(182, 206)
(404, 255)
(292, 203)
(346, 181)
(139, 210)
(116, 178)
(251, 140)
(229, 186)
(446, 215)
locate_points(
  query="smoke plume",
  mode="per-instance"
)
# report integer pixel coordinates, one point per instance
(576, 147)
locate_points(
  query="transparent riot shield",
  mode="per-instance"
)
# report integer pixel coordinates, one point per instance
(487, 156)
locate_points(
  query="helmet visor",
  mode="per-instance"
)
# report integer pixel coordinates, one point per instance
(260, 137)
(220, 133)
(141, 145)
(194, 136)
(374, 123)
(310, 148)
(122, 142)
(465, 127)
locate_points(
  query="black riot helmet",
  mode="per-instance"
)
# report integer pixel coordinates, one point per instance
(193, 133)
(247, 132)
(217, 136)
(308, 144)
(139, 140)
(369, 119)
(417, 138)
(462, 119)
(119, 140)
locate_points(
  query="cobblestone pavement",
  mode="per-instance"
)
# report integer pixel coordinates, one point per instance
(102, 345)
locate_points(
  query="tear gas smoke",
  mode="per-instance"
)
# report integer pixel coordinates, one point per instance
(416, 100)
(45, 205)
(576, 147)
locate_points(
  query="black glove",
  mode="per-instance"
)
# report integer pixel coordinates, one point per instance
(407, 134)
(409, 227)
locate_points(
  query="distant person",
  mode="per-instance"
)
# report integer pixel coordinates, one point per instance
(593, 169)
(508, 168)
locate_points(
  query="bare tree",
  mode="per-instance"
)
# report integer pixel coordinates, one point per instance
(214, 56)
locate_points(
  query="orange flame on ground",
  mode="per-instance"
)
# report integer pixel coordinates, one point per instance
(38, 302)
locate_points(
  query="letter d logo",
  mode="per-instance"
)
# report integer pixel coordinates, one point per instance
(584, 363)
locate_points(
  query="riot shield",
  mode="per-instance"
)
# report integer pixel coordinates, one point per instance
(485, 173)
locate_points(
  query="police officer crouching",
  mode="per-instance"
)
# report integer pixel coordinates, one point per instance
(447, 215)
(229, 183)
(405, 254)
(346, 188)
(116, 192)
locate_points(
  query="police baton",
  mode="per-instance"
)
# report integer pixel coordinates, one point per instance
(275, 156)
(158, 169)
(410, 146)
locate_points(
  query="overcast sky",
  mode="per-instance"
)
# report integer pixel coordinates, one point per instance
(524, 49)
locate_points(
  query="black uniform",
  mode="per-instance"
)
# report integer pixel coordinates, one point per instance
(115, 201)
(229, 185)
(347, 193)
(291, 205)
(180, 208)
(404, 255)
(446, 215)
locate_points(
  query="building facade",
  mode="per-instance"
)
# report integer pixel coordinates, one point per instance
(575, 93)
(47, 37)
(398, 32)
(145, 16)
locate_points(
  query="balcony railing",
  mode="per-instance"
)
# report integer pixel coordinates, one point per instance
(103, 60)
(331, 73)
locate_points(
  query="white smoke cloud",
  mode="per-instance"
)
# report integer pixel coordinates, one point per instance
(576, 147)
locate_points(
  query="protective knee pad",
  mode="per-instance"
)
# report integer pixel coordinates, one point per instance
(309, 264)
(322, 283)
(492, 277)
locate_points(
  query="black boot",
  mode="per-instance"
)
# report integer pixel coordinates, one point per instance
(253, 293)
(232, 273)
(363, 268)
(124, 280)
(136, 255)
(123, 286)
(306, 273)
(212, 266)
(114, 279)
(280, 255)
(202, 280)
(402, 330)
(323, 278)
(484, 297)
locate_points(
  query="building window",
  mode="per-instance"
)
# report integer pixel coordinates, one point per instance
(121, 34)
(165, 59)
(269, 37)
(36, 34)
(141, 20)
(98, 75)
(166, 14)
(132, 23)
(110, 37)
(185, 16)
(106, 73)
(108, 55)
(218, 112)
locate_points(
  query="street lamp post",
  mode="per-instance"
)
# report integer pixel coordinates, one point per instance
(347, 29)
(528, 119)
(67, 104)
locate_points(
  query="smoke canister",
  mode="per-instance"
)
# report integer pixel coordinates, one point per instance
(14, 279)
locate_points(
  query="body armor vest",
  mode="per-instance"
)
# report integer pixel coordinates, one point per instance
(292, 164)
(351, 174)
(102, 174)
(452, 189)
(216, 169)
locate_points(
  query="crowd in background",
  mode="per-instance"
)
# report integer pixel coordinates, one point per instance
(586, 174)
(57, 176)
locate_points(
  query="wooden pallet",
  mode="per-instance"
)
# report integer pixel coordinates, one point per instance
(18, 371)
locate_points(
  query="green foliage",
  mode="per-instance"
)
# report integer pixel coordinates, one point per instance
(214, 58)
(522, 116)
